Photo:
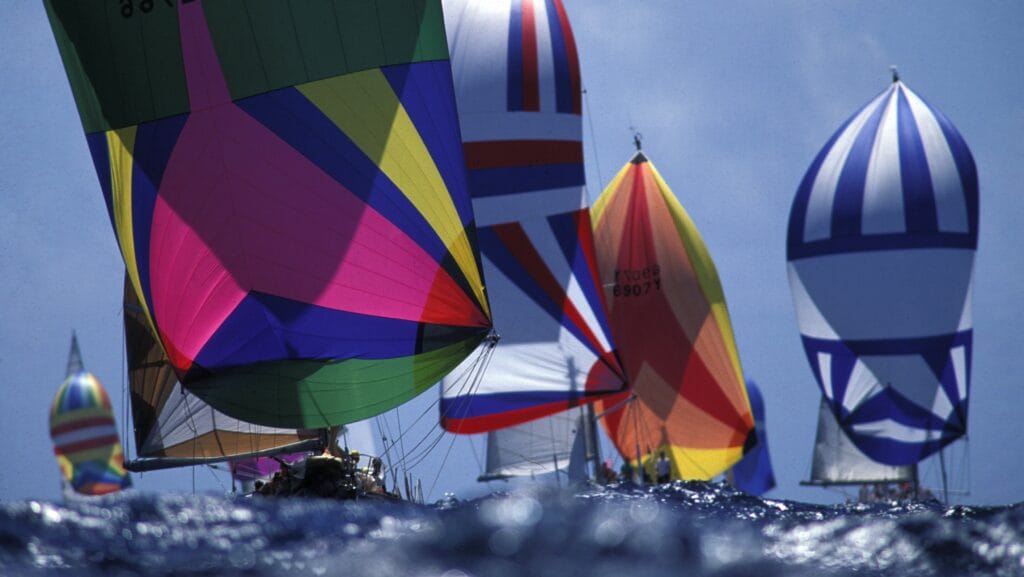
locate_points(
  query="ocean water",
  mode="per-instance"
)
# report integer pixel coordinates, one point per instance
(692, 529)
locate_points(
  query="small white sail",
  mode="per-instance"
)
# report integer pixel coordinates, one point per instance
(837, 461)
(546, 445)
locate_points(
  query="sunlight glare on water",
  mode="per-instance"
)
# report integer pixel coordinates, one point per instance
(685, 528)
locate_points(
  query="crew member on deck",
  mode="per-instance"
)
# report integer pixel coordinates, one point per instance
(664, 469)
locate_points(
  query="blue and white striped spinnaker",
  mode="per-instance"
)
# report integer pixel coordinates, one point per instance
(882, 237)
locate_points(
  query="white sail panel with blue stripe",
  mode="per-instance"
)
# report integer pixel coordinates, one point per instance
(881, 244)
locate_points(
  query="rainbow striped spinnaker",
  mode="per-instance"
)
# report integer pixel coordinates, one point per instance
(289, 195)
(669, 318)
(517, 83)
(84, 433)
(882, 237)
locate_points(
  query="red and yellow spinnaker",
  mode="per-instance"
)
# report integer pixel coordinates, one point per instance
(669, 319)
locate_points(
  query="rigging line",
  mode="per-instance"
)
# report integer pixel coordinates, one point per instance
(380, 431)
(216, 478)
(616, 407)
(966, 465)
(472, 376)
(434, 436)
(405, 458)
(593, 138)
(415, 456)
(475, 372)
(467, 378)
(192, 426)
(476, 457)
(469, 370)
(387, 433)
(401, 438)
(124, 393)
(441, 468)
(387, 454)
(422, 456)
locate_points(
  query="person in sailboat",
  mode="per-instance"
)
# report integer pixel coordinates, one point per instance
(626, 471)
(375, 475)
(607, 475)
(664, 469)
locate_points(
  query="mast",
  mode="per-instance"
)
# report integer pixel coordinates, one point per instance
(592, 444)
(74, 357)
(917, 480)
(639, 461)
(942, 467)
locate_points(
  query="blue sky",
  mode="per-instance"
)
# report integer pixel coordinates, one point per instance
(733, 99)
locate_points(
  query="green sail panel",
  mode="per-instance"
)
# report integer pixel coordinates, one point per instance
(125, 64)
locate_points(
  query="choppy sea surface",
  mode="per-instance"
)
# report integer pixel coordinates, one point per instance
(697, 529)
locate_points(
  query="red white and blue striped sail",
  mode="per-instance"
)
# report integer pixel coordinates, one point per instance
(517, 83)
(882, 238)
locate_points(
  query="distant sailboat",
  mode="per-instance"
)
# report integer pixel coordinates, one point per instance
(837, 461)
(882, 238)
(555, 444)
(84, 433)
(668, 315)
(517, 84)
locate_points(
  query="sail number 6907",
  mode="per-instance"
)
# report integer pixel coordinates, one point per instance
(635, 289)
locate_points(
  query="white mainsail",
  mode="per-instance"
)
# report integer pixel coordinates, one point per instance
(837, 461)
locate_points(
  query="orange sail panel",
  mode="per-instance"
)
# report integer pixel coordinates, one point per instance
(669, 318)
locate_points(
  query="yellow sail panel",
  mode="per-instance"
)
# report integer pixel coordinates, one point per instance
(364, 106)
(121, 146)
(707, 274)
